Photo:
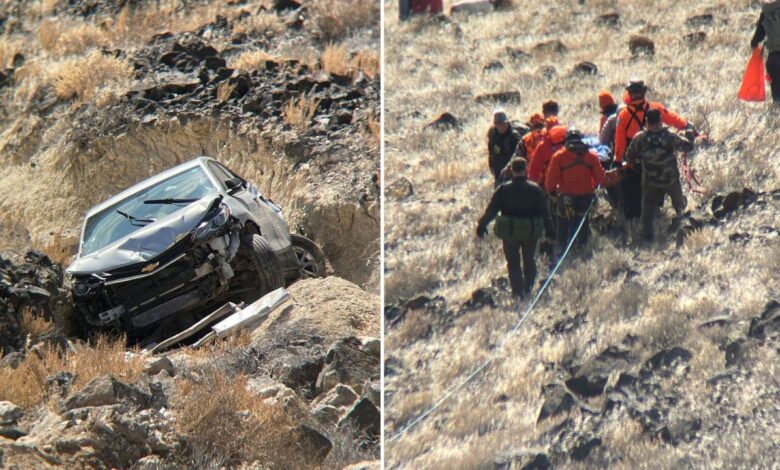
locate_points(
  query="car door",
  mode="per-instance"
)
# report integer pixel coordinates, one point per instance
(267, 215)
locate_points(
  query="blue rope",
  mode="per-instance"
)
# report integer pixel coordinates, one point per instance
(509, 335)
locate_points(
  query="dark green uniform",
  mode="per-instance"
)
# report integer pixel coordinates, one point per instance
(655, 151)
(522, 199)
(501, 149)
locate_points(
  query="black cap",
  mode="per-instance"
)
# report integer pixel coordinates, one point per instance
(573, 135)
(636, 85)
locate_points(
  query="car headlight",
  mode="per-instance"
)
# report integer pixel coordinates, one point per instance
(211, 227)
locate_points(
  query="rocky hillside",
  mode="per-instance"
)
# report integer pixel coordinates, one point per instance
(301, 390)
(96, 95)
(659, 356)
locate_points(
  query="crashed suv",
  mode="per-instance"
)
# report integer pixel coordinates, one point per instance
(180, 241)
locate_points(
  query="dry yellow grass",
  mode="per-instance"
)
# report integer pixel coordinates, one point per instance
(63, 37)
(206, 410)
(260, 23)
(432, 67)
(334, 19)
(251, 60)
(224, 90)
(34, 324)
(367, 61)
(299, 112)
(335, 59)
(59, 248)
(26, 385)
(95, 76)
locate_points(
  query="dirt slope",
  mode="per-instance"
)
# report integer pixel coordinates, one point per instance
(636, 357)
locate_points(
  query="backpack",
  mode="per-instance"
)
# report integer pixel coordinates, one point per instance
(580, 160)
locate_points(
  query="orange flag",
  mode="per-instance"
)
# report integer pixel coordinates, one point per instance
(754, 82)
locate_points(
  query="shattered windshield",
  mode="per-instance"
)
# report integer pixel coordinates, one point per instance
(127, 216)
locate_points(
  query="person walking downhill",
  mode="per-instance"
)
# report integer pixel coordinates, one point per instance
(522, 217)
(654, 148)
(573, 176)
(768, 29)
(502, 143)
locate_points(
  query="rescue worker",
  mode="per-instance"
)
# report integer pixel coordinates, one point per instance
(502, 143)
(608, 107)
(609, 112)
(523, 206)
(540, 161)
(768, 28)
(550, 111)
(654, 148)
(607, 131)
(630, 121)
(532, 139)
(574, 174)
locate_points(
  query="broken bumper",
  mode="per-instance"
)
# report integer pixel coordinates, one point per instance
(176, 283)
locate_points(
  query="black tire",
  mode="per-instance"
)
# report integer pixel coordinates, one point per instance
(267, 267)
(310, 257)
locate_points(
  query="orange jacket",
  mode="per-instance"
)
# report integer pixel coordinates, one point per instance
(540, 160)
(574, 174)
(631, 120)
(552, 121)
(531, 141)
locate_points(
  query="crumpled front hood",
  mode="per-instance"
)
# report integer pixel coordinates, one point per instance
(145, 243)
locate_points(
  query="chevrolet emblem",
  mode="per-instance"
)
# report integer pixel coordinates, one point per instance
(150, 267)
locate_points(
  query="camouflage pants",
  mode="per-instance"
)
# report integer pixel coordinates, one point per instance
(652, 197)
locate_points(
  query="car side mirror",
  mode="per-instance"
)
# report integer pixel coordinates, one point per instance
(233, 184)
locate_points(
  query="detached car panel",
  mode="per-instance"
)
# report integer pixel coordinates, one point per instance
(176, 242)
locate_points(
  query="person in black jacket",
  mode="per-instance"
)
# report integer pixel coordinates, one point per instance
(768, 28)
(502, 143)
(518, 198)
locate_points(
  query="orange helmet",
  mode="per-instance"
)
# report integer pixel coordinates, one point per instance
(536, 120)
(557, 134)
(606, 99)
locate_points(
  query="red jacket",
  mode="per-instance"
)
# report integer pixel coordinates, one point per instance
(540, 160)
(574, 174)
(552, 121)
(631, 119)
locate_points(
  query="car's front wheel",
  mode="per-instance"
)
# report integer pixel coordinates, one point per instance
(267, 267)
(310, 257)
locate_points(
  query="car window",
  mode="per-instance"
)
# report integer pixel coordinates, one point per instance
(108, 226)
(222, 173)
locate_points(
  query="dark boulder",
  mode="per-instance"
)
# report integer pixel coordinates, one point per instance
(499, 97)
(445, 121)
(364, 417)
(641, 46)
(558, 402)
(768, 323)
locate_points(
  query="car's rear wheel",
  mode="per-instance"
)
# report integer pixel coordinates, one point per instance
(310, 257)
(267, 267)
